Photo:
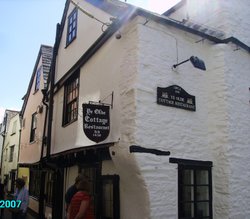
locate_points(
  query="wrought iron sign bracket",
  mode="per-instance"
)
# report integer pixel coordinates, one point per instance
(105, 104)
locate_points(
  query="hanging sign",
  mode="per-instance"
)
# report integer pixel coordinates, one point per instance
(175, 96)
(96, 121)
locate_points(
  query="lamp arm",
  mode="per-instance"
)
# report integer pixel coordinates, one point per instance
(180, 63)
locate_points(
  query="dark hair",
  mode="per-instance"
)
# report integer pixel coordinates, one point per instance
(20, 182)
(83, 185)
(79, 178)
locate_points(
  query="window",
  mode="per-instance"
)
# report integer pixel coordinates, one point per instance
(110, 197)
(38, 76)
(14, 127)
(12, 148)
(71, 100)
(194, 189)
(33, 127)
(6, 154)
(72, 27)
(49, 187)
(35, 179)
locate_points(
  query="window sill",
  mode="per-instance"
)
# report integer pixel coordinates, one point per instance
(68, 43)
(67, 124)
(33, 142)
(34, 197)
(35, 91)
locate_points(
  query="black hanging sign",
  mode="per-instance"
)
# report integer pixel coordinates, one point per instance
(96, 121)
(175, 96)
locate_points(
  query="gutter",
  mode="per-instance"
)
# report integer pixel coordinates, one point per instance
(45, 122)
(178, 25)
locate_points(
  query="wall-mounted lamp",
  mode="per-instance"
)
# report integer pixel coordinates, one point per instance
(197, 63)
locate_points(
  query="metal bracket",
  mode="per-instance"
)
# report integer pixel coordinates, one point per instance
(107, 104)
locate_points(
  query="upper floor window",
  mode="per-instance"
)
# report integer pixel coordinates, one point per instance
(38, 78)
(33, 127)
(71, 92)
(72, 26)
(14, 127)
(12, 148)
(23, 122)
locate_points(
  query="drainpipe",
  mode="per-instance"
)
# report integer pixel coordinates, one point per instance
(45, 99)
(51, 91)
(43, 173)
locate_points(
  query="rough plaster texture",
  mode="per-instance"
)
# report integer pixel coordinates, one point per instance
(238, 79)
(210, 133)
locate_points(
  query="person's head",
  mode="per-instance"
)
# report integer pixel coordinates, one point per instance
(79, 178)
(83, 185)
(20, 183)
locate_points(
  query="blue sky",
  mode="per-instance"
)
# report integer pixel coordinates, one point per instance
(25, 25)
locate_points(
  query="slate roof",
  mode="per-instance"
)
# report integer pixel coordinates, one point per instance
(46, 53)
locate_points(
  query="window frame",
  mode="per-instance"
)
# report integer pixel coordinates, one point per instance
(11, 154)
(38, 79)
(14, 126)
(49, 187)
(72, 26)
(33, 127)
(35, 183)
(71, 87)
(194, 166)
(114, 179)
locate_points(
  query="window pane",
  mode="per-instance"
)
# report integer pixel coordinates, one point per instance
(71, 102)
(107, 190)
(203, 209)
(187, 210)
(201, 177)
(202, 193)
(188, 193)
(187, 177)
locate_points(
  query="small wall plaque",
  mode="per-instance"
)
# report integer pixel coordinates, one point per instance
(175, 96)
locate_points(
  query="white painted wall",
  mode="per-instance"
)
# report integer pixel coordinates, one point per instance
(109, 70)
(133, 67)
(86, 36)
(218, 131)
(237, 67)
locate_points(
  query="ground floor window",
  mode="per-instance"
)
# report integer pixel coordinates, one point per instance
(105, 192)
(194, 189)
(34, 183)
(110, 197)
(49, 187)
